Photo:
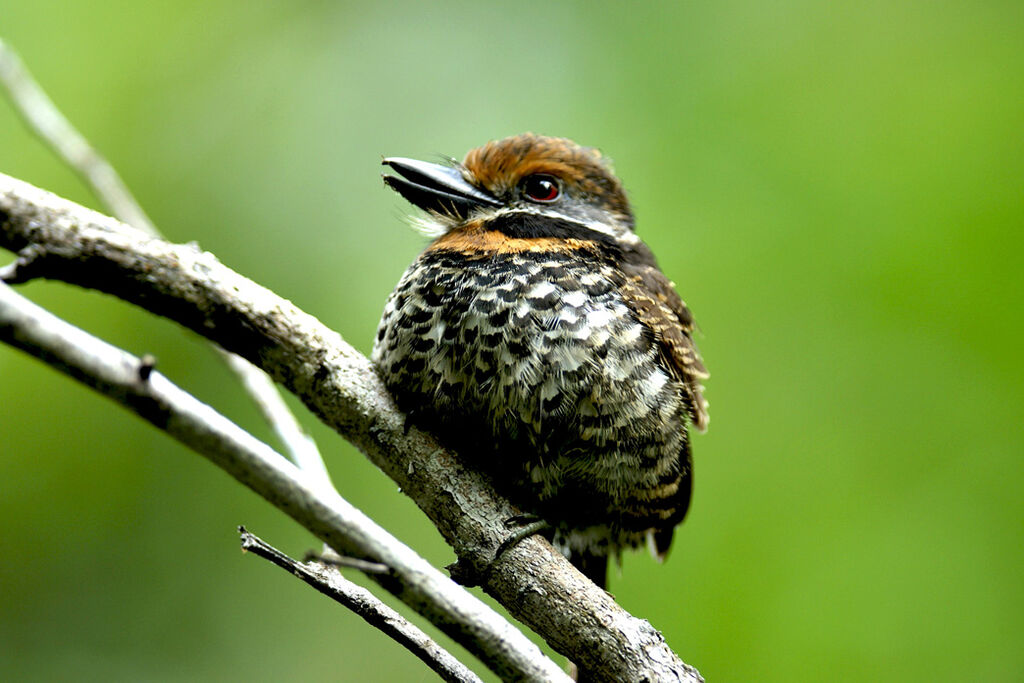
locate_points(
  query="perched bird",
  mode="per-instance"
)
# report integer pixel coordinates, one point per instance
(537, 336)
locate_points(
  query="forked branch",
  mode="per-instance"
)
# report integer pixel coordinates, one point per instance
(535, 583)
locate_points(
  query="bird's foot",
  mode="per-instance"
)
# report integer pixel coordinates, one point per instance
(409, 422)
(523, 526)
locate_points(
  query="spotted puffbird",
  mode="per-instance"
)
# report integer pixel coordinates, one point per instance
(537, 336)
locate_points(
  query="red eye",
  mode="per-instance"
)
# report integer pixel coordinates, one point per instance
(541, 188)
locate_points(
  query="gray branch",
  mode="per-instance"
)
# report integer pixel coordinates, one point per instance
(64, 241)
(46, 121)
(303, 495)
(329, 581)
(42, 116)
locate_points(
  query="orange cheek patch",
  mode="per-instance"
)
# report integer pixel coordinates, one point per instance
(473, 240)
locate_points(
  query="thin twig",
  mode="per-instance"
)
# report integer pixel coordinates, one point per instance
(329, 581)
(300, 494)
(42, 116)
(328, 556)
(531, 580)
(300, 445)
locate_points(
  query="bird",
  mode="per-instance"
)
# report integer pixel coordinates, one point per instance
(536, 335)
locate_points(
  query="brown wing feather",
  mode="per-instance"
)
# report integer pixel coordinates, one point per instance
(655, 302)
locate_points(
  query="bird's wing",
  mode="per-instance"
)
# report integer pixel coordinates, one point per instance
(655, 302)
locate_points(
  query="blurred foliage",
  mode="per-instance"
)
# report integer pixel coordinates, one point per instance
(837, 189)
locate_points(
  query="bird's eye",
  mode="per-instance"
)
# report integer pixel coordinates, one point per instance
(541, 188)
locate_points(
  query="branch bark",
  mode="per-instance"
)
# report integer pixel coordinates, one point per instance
(307, 498)
(329, 581)
(42, 116)
(534, 582)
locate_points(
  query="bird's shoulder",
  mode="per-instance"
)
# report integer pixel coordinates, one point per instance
(657, 305)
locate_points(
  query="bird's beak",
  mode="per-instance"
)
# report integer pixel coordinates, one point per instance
(436, 188)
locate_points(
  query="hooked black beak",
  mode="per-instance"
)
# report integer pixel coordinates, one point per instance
(436, 188)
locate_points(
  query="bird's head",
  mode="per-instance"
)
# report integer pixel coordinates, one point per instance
(536, 178)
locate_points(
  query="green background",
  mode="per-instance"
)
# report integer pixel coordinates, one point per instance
(837, 189)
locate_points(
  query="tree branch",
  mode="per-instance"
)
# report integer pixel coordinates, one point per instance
(532, 580)
(43, 118)
(329, 581)
(46, 121)
(302, 495)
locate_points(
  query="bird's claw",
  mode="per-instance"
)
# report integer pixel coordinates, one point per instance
(524, 526)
